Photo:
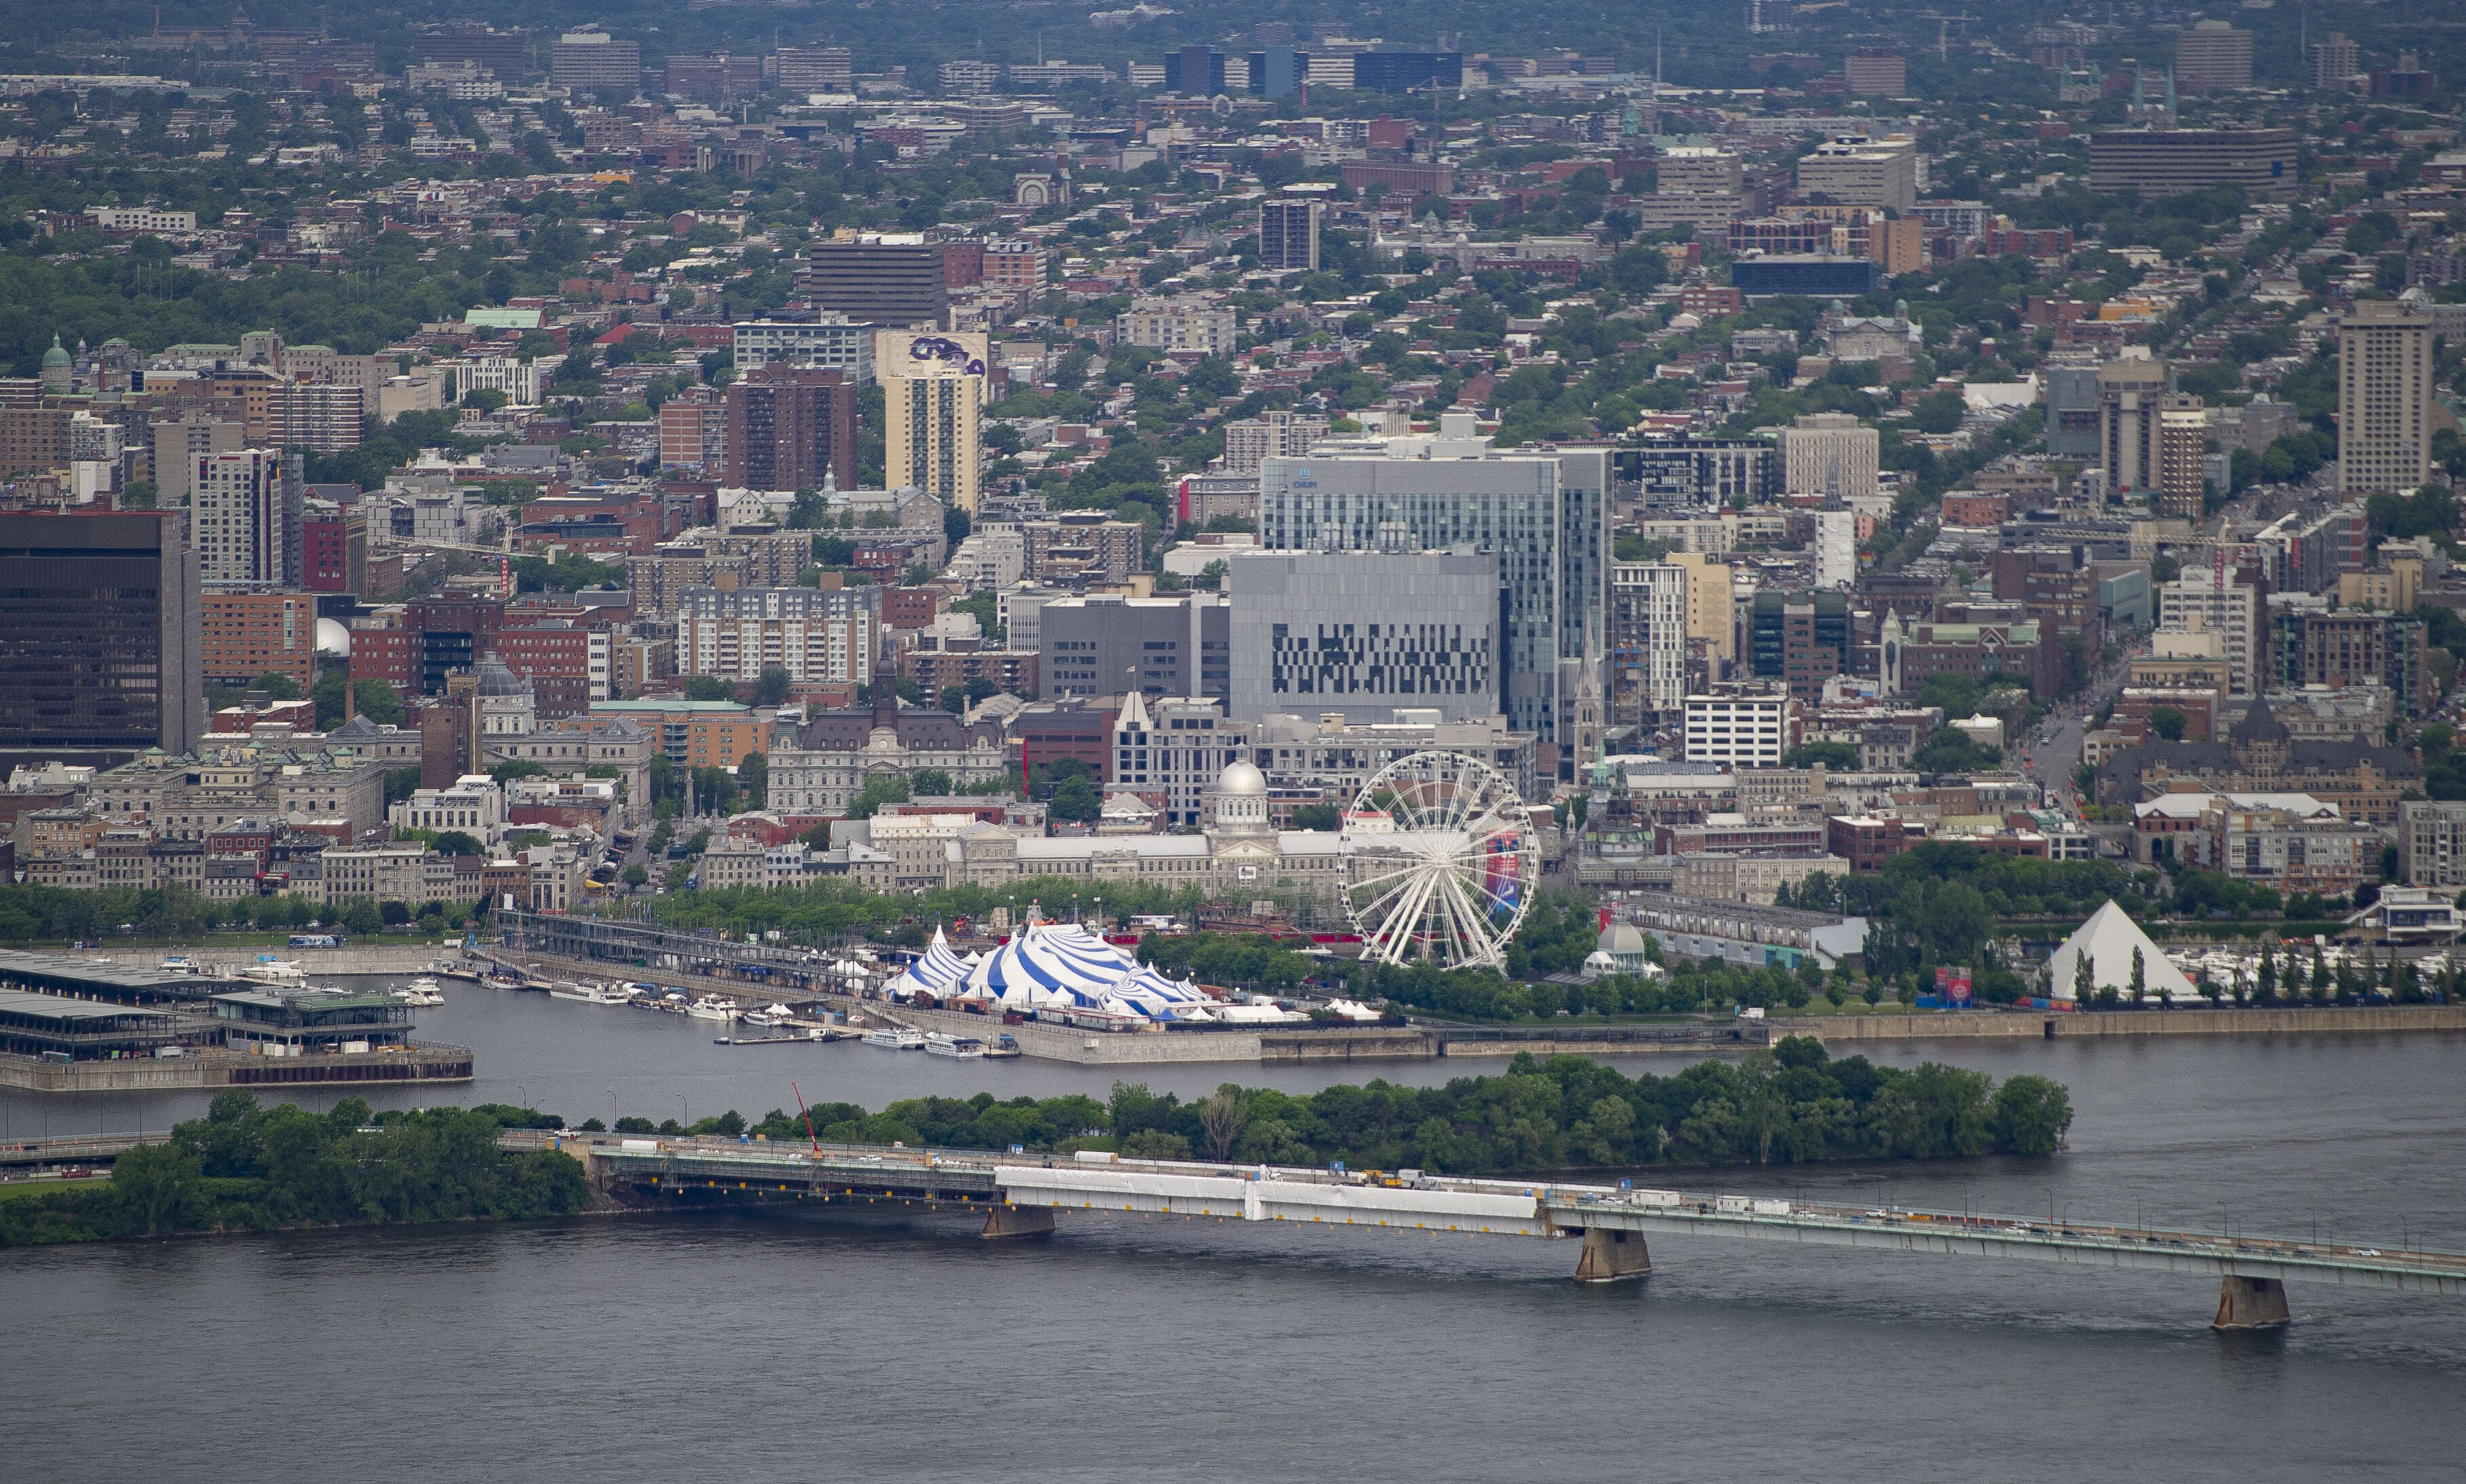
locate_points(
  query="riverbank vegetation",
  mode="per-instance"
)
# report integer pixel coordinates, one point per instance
(1793, 1104)
(247, 1168)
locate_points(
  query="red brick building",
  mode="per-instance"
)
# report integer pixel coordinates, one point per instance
(247, 635)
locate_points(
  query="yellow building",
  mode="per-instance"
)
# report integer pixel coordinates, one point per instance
(1710, 607)
(932, 396)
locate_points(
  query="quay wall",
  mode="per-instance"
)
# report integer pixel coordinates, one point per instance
(386, 959)
(270, 1075)
(2039, 1024)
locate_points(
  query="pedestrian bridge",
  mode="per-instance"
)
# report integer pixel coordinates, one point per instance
(1020, 1194)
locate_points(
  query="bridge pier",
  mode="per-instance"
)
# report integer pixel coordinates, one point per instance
(1612, 1256)
(1008, 1222)
(2250, 1304)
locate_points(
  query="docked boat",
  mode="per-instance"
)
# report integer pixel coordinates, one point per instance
(940, 1043)
(274, 972)
(710, 1007)
(896, 1038)
(592, 992)
(421, 991)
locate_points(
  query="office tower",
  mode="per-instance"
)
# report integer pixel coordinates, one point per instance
(1857, 170)
(1647, 640)
(1801, 639)
(1105, 644)
(1545, 516)
(594, 59)
(2183, 446)
(933, 395)
(2384, 397)
(99, 634)
(2213, 54)
(244, 515)
(879, 279)
(1830, 454)
(816, 633)
(1363, 632)
(789, 429)
(2130, 390)
(2072, 411)
(1289, 234)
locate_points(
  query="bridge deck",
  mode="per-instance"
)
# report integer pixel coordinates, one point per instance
(1498, 1207)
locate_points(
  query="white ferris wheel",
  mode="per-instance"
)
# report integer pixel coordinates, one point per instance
(1439, 862)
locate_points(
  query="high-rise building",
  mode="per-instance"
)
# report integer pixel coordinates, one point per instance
(1876, 72)
(2213, 54)
(1289, 234)
(789, 429)
(1858, 171)
(2334, 59)
(1545, 516)
(1105, 644)
(1363, 632)
(99, 634)
(2169, 162)
(1712, 608)
(1249, 441)
(2384, 397)
(815, 634)
(594, 59)
(2130, 390)
(830, 341)
(1836, 548)
(693, 429)
(2182, 447)
(815, 69)
(1699, 473)
(244, 515)
(1800, 640)
(177, 444)
(1647, 641)
(2071, 397)
(334, 549)
(1828, 454)
(879, 279)
(2231, 610)
(933, 395)
(1742, 730)
(247, 635)
(34, 440)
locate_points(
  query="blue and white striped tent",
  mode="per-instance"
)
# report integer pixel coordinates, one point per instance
(1051, 966)
(1147, 992)
(940, 973)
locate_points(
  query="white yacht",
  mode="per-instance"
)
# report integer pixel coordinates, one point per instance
(896, 1038)
(710, 1007)
(273, 972)
(592, 992)
(941, 1043)
(421, 991)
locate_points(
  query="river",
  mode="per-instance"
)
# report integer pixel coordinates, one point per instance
(797, 1347)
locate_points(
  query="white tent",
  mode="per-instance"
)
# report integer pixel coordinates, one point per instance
(2108, 938)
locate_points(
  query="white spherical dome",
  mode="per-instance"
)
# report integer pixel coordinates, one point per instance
(333, 638)
(1242, 779)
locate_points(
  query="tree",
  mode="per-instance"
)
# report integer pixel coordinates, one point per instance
(1938, 411)
(772, 687)
(753, 777)
(710, 687)
(363, 917)
(280, 687)
(1317, 817)
(2139, 976)
(455, 841)
(506, 773)
(2084, 978)
(637, 875)
(1829, 755)
(156, 1187)
(1074, 799)
(2168, 722)
(379, 701)
(2030, 1115)
(1953, 750)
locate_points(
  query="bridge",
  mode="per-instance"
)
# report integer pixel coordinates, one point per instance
(1019, 1194)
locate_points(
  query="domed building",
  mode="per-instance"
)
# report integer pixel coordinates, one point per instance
(507, 707)
(60, 370)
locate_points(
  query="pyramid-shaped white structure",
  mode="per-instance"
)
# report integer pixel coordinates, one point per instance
(2109, 937)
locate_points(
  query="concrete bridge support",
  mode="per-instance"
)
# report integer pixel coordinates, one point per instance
(2251, 1304)
(1612, 1256)
(1004, 1222)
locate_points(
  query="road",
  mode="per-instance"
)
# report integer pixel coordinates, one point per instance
(2051, 755)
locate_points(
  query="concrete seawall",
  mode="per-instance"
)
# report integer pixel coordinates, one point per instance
(270, 1075)
(404, 958)
(2041, 1026)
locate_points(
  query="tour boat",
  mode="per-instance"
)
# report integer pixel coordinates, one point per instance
(940, 1043)
(896, 1038)
(588, 994)
(422, 990)
(710, 1007)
